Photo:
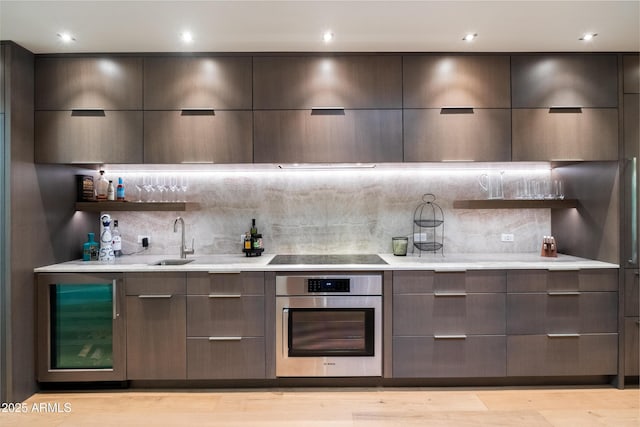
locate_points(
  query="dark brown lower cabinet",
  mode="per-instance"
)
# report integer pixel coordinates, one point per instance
(565, 134)
(226, 358)
(156, 326)
(562, 354)
(93, 136)
(432, 135)
(225, 315)
(632, 346)
(449, 356)
(341, 136)
(198, 136)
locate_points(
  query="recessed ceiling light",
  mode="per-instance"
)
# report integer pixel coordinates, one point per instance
(469, 37)
(186, 37)
(66, 37)
(327, 36)
(588, 36)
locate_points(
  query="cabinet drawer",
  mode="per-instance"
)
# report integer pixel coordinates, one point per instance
(225, 315)
(211, 358)
(541, 355)
(631, 293)
(473, 356)
(173, 83)
(248, 283)
(410, 282)
(435, 81)
(563, 80)
(308, 136)
(586, 312)
(301, 82)
(198, 136)
(88, 137)
(155, 283)
(156, 338)
(548, 134)
(457, 134)
(569, 280)
(631, 346)
(107, 82)
(433, 314)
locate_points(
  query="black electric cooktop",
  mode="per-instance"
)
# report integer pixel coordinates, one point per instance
(327, 259)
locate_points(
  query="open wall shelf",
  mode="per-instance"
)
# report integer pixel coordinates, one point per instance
(515, 204)
(135, 206)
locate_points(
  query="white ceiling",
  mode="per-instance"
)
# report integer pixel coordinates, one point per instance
(375, 26)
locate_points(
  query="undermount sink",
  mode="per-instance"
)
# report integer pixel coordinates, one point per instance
(178, 261)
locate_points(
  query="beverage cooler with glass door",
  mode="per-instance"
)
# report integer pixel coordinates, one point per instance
(81, 330)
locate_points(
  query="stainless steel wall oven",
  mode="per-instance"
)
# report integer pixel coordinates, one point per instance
(329, 325)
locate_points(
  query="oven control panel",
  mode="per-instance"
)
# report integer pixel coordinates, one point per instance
(328, 285)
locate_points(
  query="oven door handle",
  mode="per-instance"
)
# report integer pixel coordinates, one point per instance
(285, 333)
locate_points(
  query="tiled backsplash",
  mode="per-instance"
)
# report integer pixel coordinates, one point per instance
(334, 211)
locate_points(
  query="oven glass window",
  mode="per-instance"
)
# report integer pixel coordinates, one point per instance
(331, 332)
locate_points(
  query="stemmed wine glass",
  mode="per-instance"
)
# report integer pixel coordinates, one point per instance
(139, 183)
(173, 187)
(184, 185)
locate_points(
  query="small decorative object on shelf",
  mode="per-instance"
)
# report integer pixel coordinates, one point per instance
(428, 226)
(549, 248)
(252, 245)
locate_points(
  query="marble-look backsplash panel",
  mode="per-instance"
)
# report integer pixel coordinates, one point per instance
(334, 211)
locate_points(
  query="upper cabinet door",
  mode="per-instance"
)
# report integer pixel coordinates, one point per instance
(540, 81)
(107, 83)
(304, 82)
(631, 64)
(436, 81)
(174, 83)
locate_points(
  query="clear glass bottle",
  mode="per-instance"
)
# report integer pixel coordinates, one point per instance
(102, 186)
(120, 190)
(111, 191)
(116, 239)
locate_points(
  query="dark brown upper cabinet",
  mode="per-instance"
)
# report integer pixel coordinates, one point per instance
(88, 137)
(631, 64)
(200, 136)
(304, 82)
(343, 136)
(565, 134)
(544, 81)
(435, 81)
(434, 134)
(107, 83)
(175, 83)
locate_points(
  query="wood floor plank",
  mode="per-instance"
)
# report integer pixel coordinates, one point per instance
(337, 407)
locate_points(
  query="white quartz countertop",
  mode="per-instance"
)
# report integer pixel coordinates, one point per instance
(237, 263)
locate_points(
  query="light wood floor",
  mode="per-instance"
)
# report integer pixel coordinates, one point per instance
(344, 407)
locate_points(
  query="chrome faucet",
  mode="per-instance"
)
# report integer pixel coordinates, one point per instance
(183, 248)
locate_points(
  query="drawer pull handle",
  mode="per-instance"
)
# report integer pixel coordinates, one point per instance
(225, 272)
(225, 296)
(565, 109)
(453, 109)
(328, 108)
(563, 335)
(159, 296)
(449, 294)
(450, 337)
(204, 111)
(225, 338)
(563, 269)
(87, 112)
(562, 293)
(450, 270)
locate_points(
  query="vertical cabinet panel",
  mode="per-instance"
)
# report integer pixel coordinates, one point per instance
(432, 135)
(106, 82)
(545, 134)
(632, 346)
(2, 61)
(436, 81)
(107, 137)
(189, 137)
(632, 292)
(631, 82)
(156, 326)
(174, 83)
(588, 81)
(303, 82)
(301, 136)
